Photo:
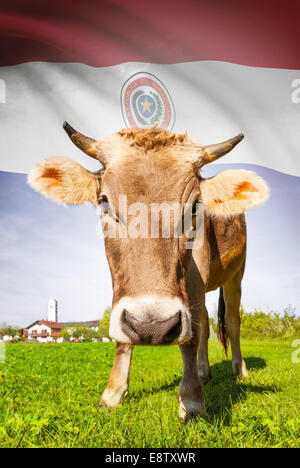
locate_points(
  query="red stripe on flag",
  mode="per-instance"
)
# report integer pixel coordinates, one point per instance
(104, 33)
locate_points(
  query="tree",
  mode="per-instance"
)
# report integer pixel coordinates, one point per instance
(10, 331)
(88, 334)
(65, 334)
(84, 333)
(103, 330)
(77, 332)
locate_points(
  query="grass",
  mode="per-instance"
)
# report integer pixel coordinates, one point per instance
(48, 396)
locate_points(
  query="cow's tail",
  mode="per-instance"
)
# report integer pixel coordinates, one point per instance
(222, 334)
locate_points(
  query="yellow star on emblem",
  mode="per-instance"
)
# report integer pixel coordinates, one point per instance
(146, 105)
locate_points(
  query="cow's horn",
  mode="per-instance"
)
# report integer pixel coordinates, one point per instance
(88, 145)
(212, 152)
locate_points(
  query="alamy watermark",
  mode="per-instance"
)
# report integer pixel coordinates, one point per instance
(295, 96)
(2, 352)
(2, 92)
(296, 353)
(152, 221)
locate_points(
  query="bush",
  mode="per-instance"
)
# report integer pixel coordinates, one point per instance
(103, 331)
(271, 324)
(266, 324)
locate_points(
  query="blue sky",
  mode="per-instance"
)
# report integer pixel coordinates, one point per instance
(51, 250)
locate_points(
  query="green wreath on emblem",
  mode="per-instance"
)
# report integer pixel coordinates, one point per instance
(135, 97)
(158, 113)
(160, 108)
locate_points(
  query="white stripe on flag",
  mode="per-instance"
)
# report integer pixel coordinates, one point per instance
(213, 101)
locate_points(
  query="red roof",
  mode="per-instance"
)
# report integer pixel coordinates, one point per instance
(52, 325)
(55, 335)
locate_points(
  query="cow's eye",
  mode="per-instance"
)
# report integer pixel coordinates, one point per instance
(106, 208)
(103, 198)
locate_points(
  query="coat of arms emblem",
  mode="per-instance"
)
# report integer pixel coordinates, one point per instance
(146, 101)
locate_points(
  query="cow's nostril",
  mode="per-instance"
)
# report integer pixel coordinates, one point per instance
(174, 332)
(127, 326)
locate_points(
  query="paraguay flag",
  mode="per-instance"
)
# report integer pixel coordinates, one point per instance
(215, 68)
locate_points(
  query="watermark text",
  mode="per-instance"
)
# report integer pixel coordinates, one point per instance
(295, 96)
(152, 221)
(2, 353)
(2, 92)
(296, 353)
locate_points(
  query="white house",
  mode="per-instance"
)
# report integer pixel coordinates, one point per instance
(8, 338)
(71, 326)
(44, 331)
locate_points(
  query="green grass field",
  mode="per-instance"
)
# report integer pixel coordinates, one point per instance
(49, 395)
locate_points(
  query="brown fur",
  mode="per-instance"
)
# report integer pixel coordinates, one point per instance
(153, 138)
(148, 180)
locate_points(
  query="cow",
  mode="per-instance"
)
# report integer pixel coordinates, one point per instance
(159, 282)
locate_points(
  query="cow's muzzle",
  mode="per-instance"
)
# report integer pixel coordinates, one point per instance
(150, 320)
(151, 332)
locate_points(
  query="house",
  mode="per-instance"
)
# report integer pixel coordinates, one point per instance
(9, 338)
(44, 331)
(71, 327)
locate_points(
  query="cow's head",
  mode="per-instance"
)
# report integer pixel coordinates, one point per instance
(150, 167)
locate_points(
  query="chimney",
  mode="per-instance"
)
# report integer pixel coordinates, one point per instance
(52, 310)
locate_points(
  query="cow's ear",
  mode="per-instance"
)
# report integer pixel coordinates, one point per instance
(232, 192)
(65, 181)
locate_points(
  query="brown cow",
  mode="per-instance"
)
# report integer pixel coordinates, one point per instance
(159, 284)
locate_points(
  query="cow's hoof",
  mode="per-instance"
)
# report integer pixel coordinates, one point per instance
(190, 408)
(239, 370)
(104, 404)
(205, 377)
(111, 398)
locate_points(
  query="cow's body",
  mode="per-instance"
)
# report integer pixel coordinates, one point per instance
(218, 264)
(159, 283)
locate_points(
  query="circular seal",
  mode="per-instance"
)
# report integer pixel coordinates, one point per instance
(145, 101)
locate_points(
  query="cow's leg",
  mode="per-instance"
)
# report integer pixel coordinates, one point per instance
(118, 381)
(191, 398)
(203, 364)
(232, 298)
